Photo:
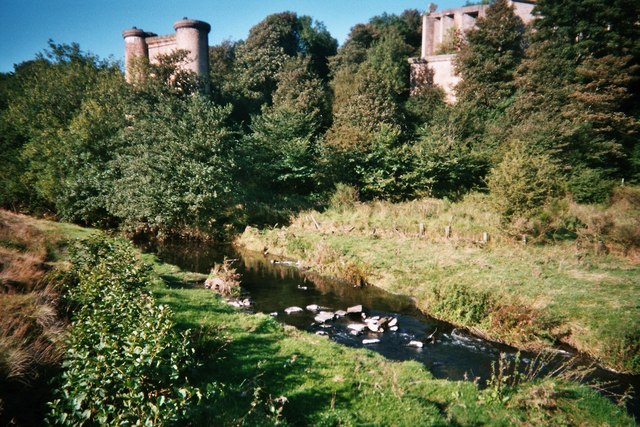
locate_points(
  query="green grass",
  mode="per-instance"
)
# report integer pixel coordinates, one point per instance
(541, 292)
(254, 364)
(261, 362)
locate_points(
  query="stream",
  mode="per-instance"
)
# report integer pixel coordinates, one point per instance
(446, 351)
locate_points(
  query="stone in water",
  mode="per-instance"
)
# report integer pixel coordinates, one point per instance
(324, 316)
(292, 310)
(355, 309)
(358, 327)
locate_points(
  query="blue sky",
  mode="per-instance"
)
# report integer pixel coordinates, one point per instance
(26, 25)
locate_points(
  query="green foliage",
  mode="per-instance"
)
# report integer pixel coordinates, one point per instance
(89, 145)
(125, 363)
(365, 141)
(590, 186)
(579, 84)
(221, 73)
(523, 182)
(462, 304)
(489, 58)
(301, 88)
(442, 165)
(408, 25)
(265, 52)
(45, 96)
(381, 168)
(173, 171)
(283, 152)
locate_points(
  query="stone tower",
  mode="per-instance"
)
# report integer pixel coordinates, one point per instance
(191, 35)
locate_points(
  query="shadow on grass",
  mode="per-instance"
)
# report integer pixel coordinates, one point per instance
(243, 354)
(175, 282)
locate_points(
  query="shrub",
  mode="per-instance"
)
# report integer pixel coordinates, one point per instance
(461, 304)
(590, 186)
(125, 363)
(523, 182)
(224, 279)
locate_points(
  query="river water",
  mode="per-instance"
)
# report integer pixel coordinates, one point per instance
(447, 352)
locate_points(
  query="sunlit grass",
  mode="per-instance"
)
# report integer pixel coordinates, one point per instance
(570, 293)
(261, 362)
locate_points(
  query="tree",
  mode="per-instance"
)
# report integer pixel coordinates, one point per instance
(279, 160)
(13, 192)
(265, 52)
(489, 58)
(300, 88)
(173, 170)
(523, 182)
(47, 95)
(89, 145)
(222, 58)
(579, 85)
(442, 164)
(368, 117)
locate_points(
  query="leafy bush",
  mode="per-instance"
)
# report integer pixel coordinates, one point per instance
(523, 182)
(461, 304)
(125, 363)
(173, 172)
(590, 186)
(442, 165)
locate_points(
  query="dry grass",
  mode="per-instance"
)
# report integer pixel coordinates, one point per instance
(224, 279)
(30, 334)
(614, 228)
(30, 329)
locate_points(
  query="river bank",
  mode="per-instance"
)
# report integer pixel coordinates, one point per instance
(257, 371)
(304, 379)
(531, 296)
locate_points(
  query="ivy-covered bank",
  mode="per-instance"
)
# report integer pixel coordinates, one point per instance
(125, 362)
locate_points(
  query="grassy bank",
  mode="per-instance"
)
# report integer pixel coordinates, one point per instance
(577, 284)
(31, 329)
(254, 371)
(273, 373)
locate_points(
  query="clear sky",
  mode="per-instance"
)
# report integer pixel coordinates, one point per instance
(26, 25)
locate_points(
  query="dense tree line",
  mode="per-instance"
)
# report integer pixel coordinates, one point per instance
(542, 111)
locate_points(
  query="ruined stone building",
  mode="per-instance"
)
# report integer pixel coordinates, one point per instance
(191, 35)
(439, 33)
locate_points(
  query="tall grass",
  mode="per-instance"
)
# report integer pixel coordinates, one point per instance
(30, 328)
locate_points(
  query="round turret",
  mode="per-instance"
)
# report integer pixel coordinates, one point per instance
(193, 35)
(135, 46)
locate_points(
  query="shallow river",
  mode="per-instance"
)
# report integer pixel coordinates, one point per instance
(447, 352)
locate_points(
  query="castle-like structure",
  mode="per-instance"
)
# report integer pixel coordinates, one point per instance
(438, 28)
(191, 35)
